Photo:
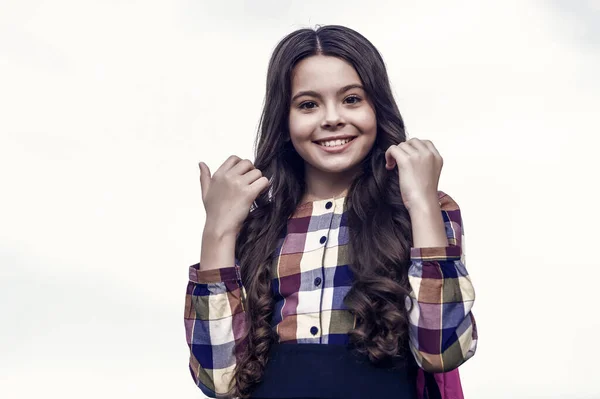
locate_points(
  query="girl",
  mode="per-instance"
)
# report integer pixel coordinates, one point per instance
(332, 267)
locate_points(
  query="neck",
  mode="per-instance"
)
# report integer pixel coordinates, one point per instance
(322, 185)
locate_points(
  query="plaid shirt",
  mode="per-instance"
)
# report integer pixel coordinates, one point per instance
(311, 277)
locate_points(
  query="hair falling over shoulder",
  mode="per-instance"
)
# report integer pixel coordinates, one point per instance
(380, 233)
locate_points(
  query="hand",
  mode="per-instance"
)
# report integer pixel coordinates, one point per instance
(228, 195)
(419, 169)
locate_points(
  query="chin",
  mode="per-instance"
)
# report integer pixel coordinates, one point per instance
(335, 168)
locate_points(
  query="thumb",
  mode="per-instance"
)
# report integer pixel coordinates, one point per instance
(204, 178)
(390, 161)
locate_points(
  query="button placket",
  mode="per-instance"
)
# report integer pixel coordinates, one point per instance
(318, 281)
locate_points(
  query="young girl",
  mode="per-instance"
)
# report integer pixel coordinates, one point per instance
(332, 267)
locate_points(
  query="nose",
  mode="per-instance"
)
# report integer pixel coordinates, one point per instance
(333, 119)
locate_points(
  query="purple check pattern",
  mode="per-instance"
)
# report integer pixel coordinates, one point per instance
(311, 277)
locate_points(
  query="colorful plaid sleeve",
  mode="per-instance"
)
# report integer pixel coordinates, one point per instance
(442, 334)
(214, 323)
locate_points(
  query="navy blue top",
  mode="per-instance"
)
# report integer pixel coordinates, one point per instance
(311, 371)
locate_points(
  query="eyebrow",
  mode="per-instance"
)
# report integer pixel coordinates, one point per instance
(313, 93)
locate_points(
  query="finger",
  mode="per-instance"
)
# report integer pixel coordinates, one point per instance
(389, 158)
(259, 186)
(251, 176)
(204, 178)
(228, 164)
(408, 147)
(417, 144)
(393, 156)
(242, 167)
(432, 148)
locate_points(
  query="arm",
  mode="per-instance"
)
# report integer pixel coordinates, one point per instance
(442, 331)
(214, 311)
(215, 319)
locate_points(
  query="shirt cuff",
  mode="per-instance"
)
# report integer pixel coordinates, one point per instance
(221, 275)
(436, 254)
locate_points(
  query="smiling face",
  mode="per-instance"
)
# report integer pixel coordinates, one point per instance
(332, 123)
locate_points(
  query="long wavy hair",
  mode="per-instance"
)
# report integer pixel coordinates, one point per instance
(380, 229)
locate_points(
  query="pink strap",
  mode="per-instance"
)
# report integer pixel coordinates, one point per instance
(448, 383)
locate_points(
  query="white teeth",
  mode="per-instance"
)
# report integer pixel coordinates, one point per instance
(334, 143)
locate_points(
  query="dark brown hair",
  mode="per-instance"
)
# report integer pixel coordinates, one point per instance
(380, 230)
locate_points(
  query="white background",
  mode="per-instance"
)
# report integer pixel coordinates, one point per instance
(106, 107)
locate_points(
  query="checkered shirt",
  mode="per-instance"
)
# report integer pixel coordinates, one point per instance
(311, 277)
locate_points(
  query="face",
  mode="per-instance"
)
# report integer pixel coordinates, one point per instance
(332, 122)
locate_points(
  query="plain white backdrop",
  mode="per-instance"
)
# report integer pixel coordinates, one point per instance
(106, 107)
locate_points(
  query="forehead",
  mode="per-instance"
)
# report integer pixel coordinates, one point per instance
(323, 73)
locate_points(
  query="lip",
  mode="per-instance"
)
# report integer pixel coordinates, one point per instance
(338, 149)
(340, 137)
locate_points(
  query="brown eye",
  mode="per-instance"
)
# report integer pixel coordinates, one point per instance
(307, 105)
(352, 99)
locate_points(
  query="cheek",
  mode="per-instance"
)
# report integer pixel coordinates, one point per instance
(365, 120)
(301, 127)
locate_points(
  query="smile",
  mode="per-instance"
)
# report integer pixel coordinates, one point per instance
(335, 146)
(335, 143)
